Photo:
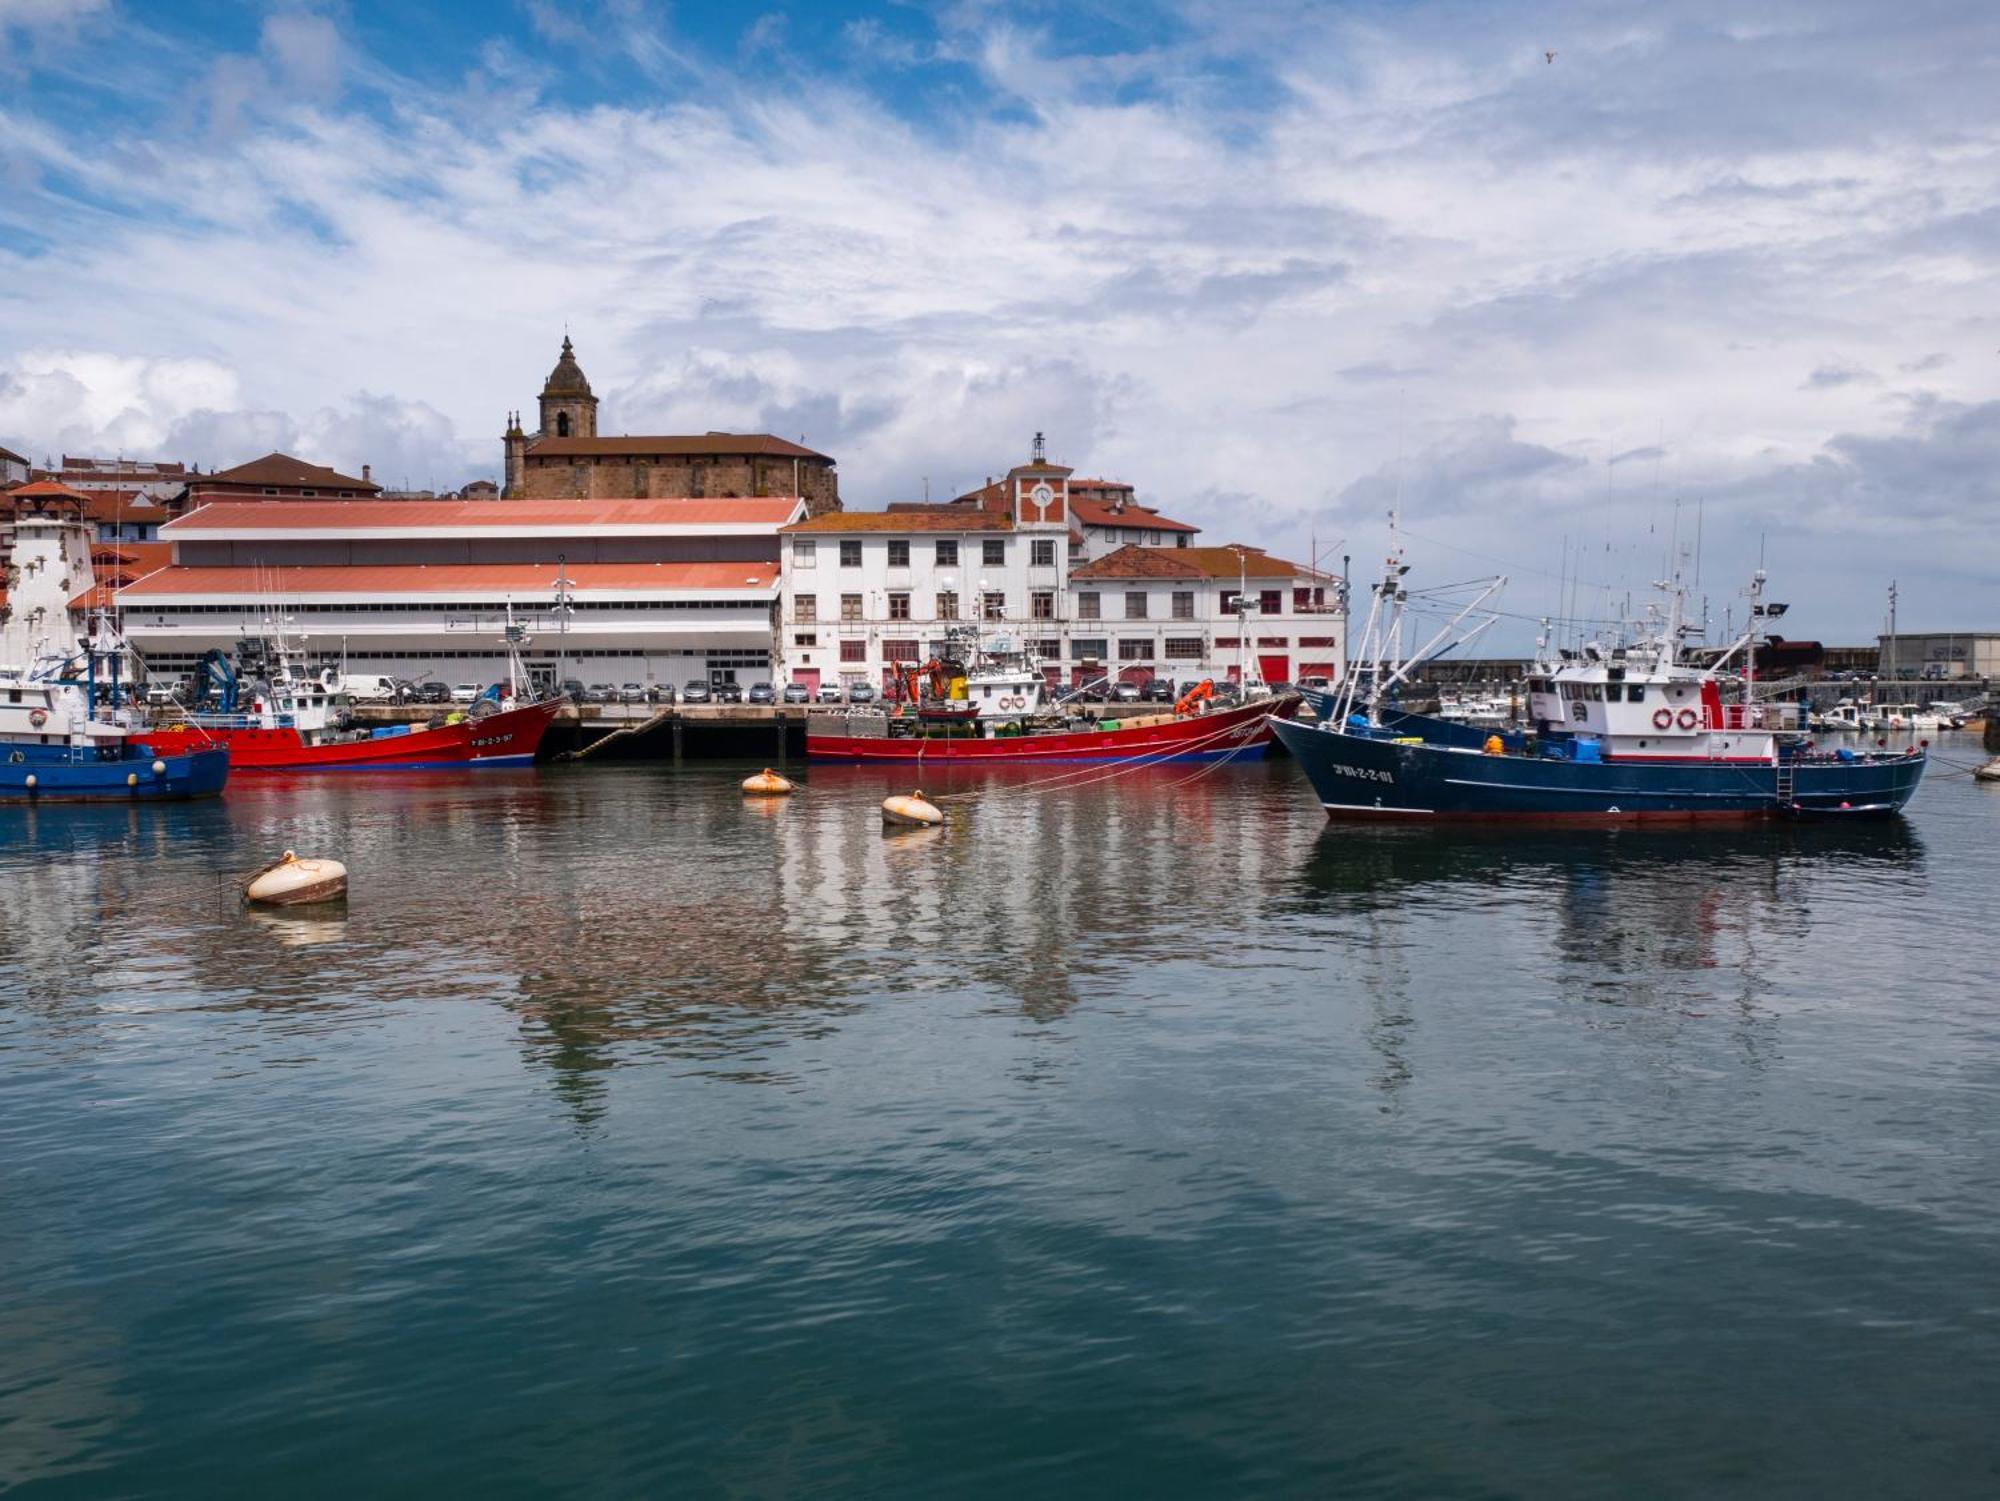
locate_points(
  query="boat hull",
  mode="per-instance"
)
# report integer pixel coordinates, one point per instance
(61, 778)
(1232, 734)
(507, 739)
(1364, 777)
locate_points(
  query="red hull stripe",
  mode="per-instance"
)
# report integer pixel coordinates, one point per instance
(1207, 734)
(507, 736)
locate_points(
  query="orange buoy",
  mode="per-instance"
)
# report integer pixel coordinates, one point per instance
(767, 783)
(913, 812)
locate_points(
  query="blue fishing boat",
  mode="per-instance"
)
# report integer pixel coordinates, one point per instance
(67, 731)
(1619, 733)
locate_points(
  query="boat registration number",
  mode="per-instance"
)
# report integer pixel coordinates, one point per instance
(1366, 773)
(493, 740)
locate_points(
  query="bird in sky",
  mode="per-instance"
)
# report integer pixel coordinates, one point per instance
(1550, 56)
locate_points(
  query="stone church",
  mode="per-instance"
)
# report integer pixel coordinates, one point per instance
(567, 459)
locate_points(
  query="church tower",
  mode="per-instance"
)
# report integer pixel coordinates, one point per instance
(568, 408)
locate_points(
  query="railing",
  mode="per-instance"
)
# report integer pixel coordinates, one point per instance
(1756, 717)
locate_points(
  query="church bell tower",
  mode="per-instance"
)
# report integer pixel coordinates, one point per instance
(568, 408)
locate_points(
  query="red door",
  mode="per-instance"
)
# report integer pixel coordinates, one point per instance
(1328, 670)
(1277, 668)
(1139, 675)
(807, 678)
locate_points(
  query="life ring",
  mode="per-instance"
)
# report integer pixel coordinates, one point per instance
(38, 717)
(1688, 719)
(1663, 719)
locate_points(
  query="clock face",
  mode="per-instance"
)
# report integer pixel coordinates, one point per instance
(1042, 495)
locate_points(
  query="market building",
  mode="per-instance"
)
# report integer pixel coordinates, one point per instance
(632, 590)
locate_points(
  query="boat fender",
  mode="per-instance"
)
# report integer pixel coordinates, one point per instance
(131, 779)
(159, 768)
(1663, 719)
(32, 783)
(1688, 719)
(1495, 746)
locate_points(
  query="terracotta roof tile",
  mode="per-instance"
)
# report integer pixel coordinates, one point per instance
(281, 469)
(672, 446)
(521, 580)
(438, 515)
(1096, 513)
(1224, 563)
(942, 520)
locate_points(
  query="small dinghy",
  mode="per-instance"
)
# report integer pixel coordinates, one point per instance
(292, 882)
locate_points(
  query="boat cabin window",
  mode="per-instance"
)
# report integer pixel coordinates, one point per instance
(13, 695)
(1614, 692)
(1635, 693)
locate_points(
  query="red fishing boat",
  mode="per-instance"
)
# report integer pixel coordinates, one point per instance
(275, 741)
(999, 708)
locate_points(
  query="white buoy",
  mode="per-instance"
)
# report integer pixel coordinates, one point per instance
(32, 783)
(913, 812)
(292, 882)
(767, 783)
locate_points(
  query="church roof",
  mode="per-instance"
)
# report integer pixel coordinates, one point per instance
(642, 446)
(567, 378)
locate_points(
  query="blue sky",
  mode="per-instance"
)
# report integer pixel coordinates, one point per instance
(1282, 265)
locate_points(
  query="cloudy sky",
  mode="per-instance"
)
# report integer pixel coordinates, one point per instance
(1279, 264)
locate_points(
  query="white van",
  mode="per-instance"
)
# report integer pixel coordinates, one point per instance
(367, 687)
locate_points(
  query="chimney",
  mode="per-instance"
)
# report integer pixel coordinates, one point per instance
(365, 476)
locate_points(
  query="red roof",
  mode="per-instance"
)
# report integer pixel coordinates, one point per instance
(1238, 560)
(1096, 513)
(534, 580)
(941, 520)
(436, 515)
(282, 471)
(43, 488)
(730, 445)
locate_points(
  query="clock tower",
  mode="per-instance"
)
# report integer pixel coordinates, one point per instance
(1039, 492)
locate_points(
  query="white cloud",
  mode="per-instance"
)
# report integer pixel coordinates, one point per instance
(1255, 271)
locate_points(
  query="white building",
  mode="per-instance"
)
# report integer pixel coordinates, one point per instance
(865, 591)
(1104, 515)
(13, 469)
(646, 591)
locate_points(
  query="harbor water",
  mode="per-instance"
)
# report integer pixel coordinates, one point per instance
(623, 1136)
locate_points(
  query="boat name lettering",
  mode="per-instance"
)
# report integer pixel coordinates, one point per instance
(493, 740)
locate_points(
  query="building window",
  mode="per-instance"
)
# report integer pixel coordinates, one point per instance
(805, 638)
(1088, 648)
(805, 607)
(805, 552)
(850, 554)
(562, 424)
(1181, 540)
(850, 607)
(1152, 539)
(899, 552)
(854, 651)
(899, 606)
(899, 651)
(947, 606)
(1042, 605)
(1183, 648)
(993, 552)
(1271, 601)
(1229, 599)
(1044, 553)
(947, 553)
(1046, 647)
(1183, 604)
(1135, 604)
(309, 494)
(993, 605)
(1133, 649)
(1302, 601)
(1088, 605)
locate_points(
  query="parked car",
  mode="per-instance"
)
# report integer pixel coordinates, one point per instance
(1158, 691)
(571, 689)
(861, 693)
(464, 693)
(697, 692)
(1315, 684)
(1226, 692)
(797, 693)
(1125, 693)
(660, 693)
(632, 693)
(829, 693)
(433, 693)
(729, 693)
(600, 693)
(763, 693)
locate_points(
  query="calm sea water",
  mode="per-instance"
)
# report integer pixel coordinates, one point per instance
(1148, 1138)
